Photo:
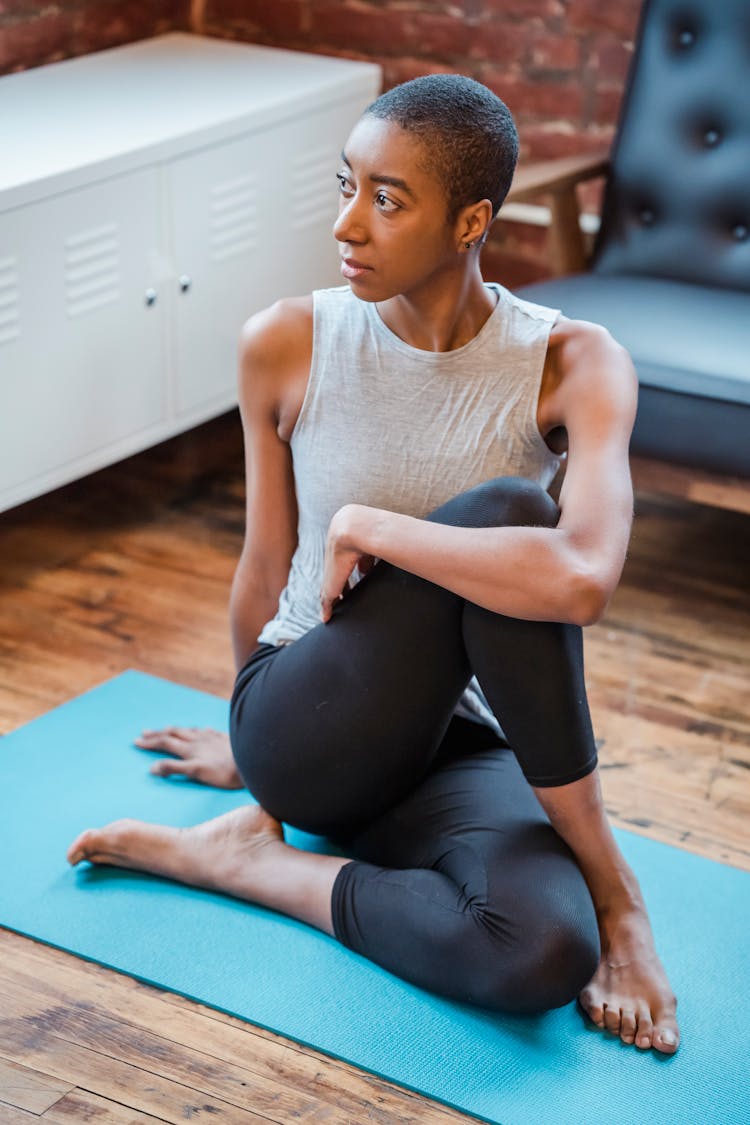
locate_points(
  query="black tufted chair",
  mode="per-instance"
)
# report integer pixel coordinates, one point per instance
(670, 273)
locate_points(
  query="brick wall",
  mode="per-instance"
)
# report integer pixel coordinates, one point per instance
(559, 64)
(34, 32)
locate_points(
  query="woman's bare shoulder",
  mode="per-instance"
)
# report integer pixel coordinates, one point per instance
(275, 353)
(279, 333)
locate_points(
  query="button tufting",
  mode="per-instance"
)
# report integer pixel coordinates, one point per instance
(686, 38)
(740, 232)
(647, 216)
(711, 137)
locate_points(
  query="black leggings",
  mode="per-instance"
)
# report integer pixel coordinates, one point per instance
(459, 882)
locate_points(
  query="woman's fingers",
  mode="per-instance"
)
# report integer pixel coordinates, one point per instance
(175, 740)
(168, 742)
(200, 753)
(335, 578)
(327, 602)
(172, 732)
(341, 557)
(168, 767)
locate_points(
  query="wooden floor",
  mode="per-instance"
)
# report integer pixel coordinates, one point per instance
(131, 568)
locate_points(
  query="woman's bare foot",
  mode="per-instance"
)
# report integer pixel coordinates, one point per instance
(241, 853)
(629, 994)
(221, 854)
(201, 754)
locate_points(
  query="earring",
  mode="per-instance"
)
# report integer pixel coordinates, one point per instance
(468, 245)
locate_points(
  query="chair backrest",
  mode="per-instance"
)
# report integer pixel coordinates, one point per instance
(677, 202)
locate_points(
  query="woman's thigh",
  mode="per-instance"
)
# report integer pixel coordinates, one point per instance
(338, 726)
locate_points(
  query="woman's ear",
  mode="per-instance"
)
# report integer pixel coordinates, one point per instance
(472, 224)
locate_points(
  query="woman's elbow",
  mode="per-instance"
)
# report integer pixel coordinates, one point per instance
(589, 597)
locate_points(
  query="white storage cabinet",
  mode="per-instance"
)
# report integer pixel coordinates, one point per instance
(152, 197)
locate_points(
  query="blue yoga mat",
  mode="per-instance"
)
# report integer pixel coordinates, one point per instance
(76, 767)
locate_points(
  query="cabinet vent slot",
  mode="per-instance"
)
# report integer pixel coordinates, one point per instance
(314, 187)
(10, 315)
(233, 217)
(92, 269)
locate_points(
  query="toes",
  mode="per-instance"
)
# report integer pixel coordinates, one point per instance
(101, 845)
(612, 1019)
(645, 1032)
(628, 1024)
(82, 847)
(592, 1006)
(666, 1038)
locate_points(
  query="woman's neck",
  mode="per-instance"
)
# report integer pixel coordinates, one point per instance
(441, 317)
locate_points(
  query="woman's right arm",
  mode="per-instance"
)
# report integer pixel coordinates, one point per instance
(273, 365)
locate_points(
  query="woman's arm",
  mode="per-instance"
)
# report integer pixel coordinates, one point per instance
(567, 573)
(273, 364)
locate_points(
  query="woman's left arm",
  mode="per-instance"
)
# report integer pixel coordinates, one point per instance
(567, 573)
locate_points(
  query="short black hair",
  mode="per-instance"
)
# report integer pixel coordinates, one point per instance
(468, 134)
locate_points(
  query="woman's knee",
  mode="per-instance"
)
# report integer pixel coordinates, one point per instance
(553, 971)
(536, 970)
(500, 502)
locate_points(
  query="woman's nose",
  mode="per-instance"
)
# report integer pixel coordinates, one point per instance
(349, 226)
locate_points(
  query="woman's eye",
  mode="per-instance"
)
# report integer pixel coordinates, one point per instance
(345, 186)
(385, 203)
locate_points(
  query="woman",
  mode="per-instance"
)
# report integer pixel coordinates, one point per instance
(405, 427)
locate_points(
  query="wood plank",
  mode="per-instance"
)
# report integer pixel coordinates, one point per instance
(541, 177)
(186, 1078)
(29, 1089)
(144, 1091)
(63, 1038)
(10, 1115)
(81, 1105)
(190, 1040)
(696, 485)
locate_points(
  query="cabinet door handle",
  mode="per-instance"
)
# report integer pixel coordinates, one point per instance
(185, 282)
(150, 296)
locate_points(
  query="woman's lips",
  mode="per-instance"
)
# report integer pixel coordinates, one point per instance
(352, 269)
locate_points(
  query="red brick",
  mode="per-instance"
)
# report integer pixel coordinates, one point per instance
(609, 59)
(396, 71)
(554, 52)
(525, 239)
(385, 31)
(280, 19)
(605, 105)
(620, 17)
(510, 270)
(516, 253)
(441, 36)
(341, 53)
(553, 139)
(500, 42)
(528, 99)
(31, 9)
(110, 24)
(526, 9)
(44, 39)
(183, 18)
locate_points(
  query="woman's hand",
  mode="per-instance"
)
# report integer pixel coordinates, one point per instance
(200, 754)
(344, 552)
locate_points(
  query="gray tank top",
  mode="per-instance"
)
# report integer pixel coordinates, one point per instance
(395, 427)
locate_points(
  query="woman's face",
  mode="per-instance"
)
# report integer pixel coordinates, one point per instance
(392, 226)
